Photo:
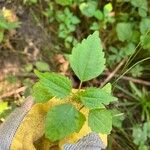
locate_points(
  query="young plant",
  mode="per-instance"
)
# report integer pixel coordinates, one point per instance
(6, 25)
(67, 25)
(87, 61)
(102, 17)
(141, 135)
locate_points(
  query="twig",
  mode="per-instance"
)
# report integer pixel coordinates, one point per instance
(135, 80)
(8, 94)
(111, 75)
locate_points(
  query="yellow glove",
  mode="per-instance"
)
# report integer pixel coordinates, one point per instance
(30, 132)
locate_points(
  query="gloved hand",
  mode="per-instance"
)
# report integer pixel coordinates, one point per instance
(24, 130)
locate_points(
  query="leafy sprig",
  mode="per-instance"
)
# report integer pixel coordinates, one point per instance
(87, 61)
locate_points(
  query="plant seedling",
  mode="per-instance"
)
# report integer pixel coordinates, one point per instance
(6, 25)
(88, 62)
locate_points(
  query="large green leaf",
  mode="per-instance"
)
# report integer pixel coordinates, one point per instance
(100, 120)
(58, 85)
(87, 58)
(40, 93)
(95, 98)
(63, 120)
(124, 31)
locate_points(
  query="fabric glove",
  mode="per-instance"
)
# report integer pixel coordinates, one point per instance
(24, 130)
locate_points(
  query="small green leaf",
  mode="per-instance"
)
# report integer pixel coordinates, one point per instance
(142, 6)
(107, 88)
(75, 20)
(124, 31)
(64, 2)
(129, 49)
(100, 120)
(95, 98)
(87, 58)
(142, 12)
(63, 120)
(98, 15)
(40, 93)
(8, 25)
(95, 26)
(28, 67)
(3, 106)
(107, 9)
(118, 118)
(146, 129)
(145, 25)
(11, 78)
(58, 85)
(88, 9)
(42, 66)
(138, 135)
(137, 71)
(145, 40)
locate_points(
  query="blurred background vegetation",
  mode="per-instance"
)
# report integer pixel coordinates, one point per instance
(39, 34)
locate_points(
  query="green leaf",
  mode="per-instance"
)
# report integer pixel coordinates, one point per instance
(87, 58)
(100, 121)
(63, 120)
(28, 67)
(98, 15)
(124, 31)
(58, 85)
(75, 20)
(40, 93)
(129, 49)
(145, 25)
(146, 129)
(143, 147)
(64, 2)
(137, 71)
(141, 5)
(107, 9)
(8, 25)
(138, 135)
(88, 9)
(3, 106)
(135, 36)
(95, 98)
(117, 118)
(42, 66)
(142, 12)
(107, 88)
(95, 26)
(145, 41)
(138, 3)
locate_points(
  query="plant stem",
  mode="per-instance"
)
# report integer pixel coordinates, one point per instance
(80, 85)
